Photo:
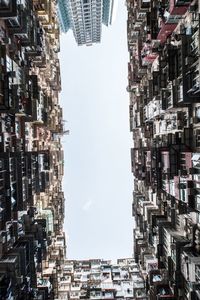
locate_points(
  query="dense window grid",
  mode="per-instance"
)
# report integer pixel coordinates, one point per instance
(85, 18)
(164, 89)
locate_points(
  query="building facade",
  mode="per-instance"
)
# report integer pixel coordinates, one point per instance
(64, 14)
(164, 89)
(32, 241)
(100, 279)
(85, 18)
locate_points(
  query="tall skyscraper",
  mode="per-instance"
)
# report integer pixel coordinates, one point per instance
(85, 18)
(63, 14)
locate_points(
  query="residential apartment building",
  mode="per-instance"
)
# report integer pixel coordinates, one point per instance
(100, 279)
(164, 89)
(85, 18)
(64, 14)
(32, 242)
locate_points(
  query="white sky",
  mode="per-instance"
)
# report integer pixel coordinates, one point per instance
(98, 180)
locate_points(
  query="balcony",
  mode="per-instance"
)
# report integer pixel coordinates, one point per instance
(190, 69)
(178, 7)
(41, 5)
(194, 200)
(10, 265)
(8, 9)
(43, 8)
(160, 292)
(190, 265)
(18, 25)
